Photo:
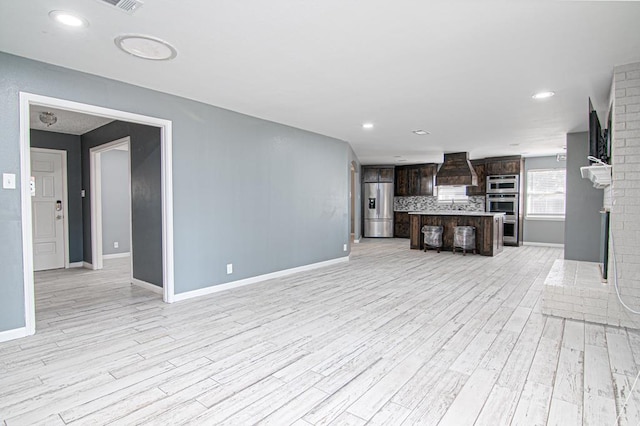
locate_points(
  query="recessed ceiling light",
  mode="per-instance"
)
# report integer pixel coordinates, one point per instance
(146, 47)
(420, 132)
(367, 125)
(543, 95)
(68, 18)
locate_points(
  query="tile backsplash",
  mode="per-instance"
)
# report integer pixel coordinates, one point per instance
(412, 204)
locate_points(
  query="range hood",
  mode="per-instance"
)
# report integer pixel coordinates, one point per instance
(456, 170)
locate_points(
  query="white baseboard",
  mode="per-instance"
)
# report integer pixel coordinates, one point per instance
(76, 265)
(146, 285)
(356, 241)
(115, 255)
(536, 244)
(87, 265)
(234, 284)
(16, 333)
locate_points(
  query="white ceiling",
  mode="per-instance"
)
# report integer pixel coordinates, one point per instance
(464, 71)
(69, 122)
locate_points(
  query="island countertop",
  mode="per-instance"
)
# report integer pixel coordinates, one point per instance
(456, 213)
(488, 228)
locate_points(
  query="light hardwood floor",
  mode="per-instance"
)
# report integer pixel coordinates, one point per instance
(394, 337)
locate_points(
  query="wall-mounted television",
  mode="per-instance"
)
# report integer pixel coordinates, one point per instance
(598, 140)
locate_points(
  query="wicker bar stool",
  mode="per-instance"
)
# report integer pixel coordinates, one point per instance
(432, 237)
(464, 237)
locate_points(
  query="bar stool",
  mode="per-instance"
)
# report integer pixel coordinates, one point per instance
(464, 237)
(432, 237)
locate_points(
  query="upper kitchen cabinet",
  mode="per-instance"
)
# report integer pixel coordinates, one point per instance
(377, 174)
(511, 165)
(480, 168)
(402, 182)
(426, 179)
(386, 174)
(415, 180)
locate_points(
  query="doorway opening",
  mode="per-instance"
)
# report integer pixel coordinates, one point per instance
(354, 196)
(28, 100)
(117, 203)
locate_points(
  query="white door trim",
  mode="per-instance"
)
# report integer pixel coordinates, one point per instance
(95, 178)
(65, 198)
(27, 99)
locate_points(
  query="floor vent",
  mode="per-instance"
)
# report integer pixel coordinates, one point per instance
(128, 6)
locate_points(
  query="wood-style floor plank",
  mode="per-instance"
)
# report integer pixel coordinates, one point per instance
(393, 337)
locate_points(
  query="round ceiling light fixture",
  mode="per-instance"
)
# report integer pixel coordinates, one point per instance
(146, 47)
(68, 19)
(543, 95)
(367, 125)
(48, 118)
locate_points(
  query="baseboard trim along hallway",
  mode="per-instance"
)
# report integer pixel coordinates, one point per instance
(151, 287)
(16, 333)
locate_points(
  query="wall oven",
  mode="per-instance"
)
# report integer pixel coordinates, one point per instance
(503, 184)
(508, 204)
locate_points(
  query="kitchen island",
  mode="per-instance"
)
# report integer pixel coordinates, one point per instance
(489, 228)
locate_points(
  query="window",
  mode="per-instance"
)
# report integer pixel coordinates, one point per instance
(452, 194)
(546, 194)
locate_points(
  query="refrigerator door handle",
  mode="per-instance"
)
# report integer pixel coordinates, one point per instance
(378, 203)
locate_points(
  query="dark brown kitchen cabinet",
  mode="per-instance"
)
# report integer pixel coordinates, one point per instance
(488, 230)
(427, 179)
(415, 180)
(511, 165)
(377, 174)
(386, 174)
(401, 224)
(480, 168)
(401, 188)
(370, 174)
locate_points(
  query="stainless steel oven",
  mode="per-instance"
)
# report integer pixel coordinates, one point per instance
(503, 184)
(508, 204)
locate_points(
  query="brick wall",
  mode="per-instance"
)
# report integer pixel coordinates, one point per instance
(625, 194)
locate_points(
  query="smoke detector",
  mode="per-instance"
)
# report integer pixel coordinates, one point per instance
(128, 6)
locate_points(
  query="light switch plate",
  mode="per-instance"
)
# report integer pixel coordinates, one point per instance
(8, 181)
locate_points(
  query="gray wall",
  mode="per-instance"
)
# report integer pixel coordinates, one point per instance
(70, 144)
(584, 202)
(146, 201)
(116, 203)
(258, 194)
(542, 231)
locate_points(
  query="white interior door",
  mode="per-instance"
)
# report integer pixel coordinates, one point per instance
(48, 209)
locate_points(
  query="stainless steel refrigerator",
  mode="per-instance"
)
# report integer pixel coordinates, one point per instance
(378, 209)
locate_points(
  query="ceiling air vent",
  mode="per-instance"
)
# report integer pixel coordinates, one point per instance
(128, 6)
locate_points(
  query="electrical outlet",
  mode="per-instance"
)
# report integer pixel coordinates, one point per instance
(229, 268)
(116, 244)
(344, 247)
